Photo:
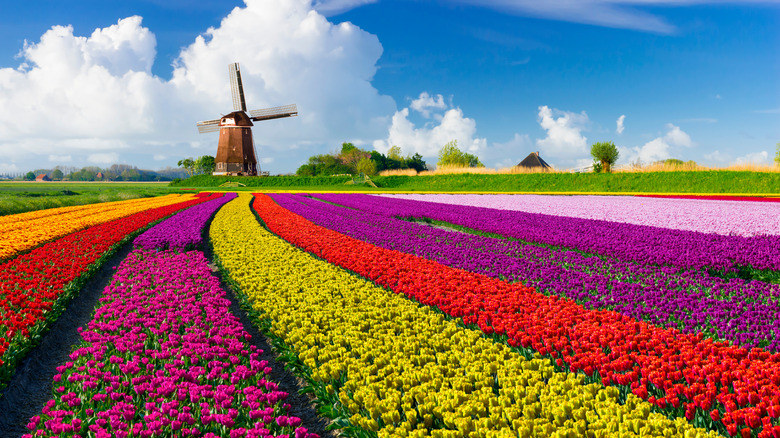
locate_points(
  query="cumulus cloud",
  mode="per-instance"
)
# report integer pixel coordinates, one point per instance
(103, 158)
(659, 148)
(97, 92)
(564, 133)
(507, 154)
(428, 139)
(754, 158)
(620, 126)
(425, 103)
(60, 158)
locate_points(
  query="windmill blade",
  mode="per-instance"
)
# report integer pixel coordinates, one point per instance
(274, 113)
(236, 87)
(208, 126)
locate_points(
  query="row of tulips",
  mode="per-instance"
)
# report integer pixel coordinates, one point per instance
(183, 230)
(35, 287)
(712, 383)
(400, 369)
(628, 242)
(745, 313)
(18, 236)
(703, 214)
(163, 356)
(717, 197)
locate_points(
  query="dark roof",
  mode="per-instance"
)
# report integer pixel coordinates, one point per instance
(534, 160)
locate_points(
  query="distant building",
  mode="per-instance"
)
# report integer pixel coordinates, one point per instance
(99, 175)
(42, 177)
(534, 160)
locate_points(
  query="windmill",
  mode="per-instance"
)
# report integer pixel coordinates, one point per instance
(236, 148)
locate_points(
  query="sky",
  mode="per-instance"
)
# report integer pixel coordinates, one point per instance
(97, 83)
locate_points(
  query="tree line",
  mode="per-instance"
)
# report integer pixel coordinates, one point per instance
(115, 172)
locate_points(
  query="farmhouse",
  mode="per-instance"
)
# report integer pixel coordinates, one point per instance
(533, 160)
(42, 177)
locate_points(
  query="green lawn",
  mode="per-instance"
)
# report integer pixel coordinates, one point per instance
(19, 197)
(712, 182)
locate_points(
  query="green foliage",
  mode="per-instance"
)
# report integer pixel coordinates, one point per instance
(57, 175)
(366, 166)
(597, 167)
(606, 153)
(22, 197)
(347, 161)
(188, 164)
(205, 164)
(394, 153)
(777, 154)
(29, 176)
(415, 162)
(280, 181)
(451, 156)
(716, 181)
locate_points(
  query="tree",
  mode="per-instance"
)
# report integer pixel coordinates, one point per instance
(205, 164)
(451, 156)
(57, 175)
(394, 153)
(188, 164)
(777, 154)
(29, 176)
(415, 162)
(366, 166)
(605, 153)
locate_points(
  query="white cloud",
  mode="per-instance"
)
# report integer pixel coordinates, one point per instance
(717, 156)
(427, 140)
(677, 137)
(8, 168)
(333, 7)
(564, 133)
(97, 93)
(620, 126)
(159, 157)
(426, 102)
(60, 158)
(754, 158)
(103, 158)
(622, 14)
(508, 154)
(659, 148)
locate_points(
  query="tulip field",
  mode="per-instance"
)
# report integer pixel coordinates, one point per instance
(403, 315)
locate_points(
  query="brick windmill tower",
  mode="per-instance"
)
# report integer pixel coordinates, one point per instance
(236, 149)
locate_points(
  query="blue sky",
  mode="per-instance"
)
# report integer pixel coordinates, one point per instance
(688, 79)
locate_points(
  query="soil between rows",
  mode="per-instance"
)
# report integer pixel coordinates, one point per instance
(31, 386)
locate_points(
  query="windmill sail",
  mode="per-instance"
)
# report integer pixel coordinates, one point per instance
(236, 87)
(208, 126)
(274, 113)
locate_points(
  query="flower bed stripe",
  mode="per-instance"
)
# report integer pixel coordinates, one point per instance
(716, 197)
(682, 373)
(35, 287)
(700, 214)
(627, 242)
(19, 236)
(394, 366)
(745, 313)
(163, 356)
(183, 230)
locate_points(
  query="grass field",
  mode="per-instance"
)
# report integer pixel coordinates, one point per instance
(19, 197)
(707, 181)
